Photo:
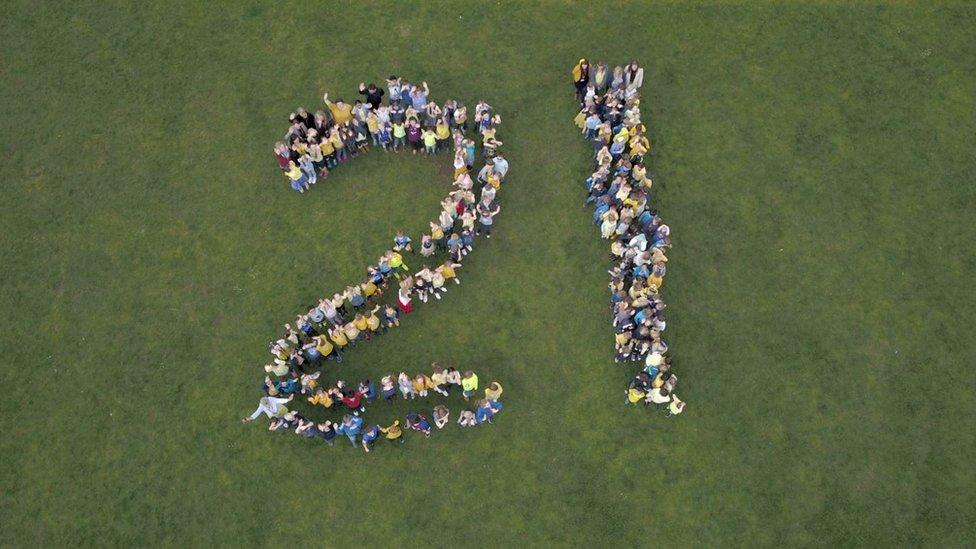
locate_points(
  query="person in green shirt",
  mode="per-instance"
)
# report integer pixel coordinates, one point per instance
(469, 384)
(399, 135)
(430, 141)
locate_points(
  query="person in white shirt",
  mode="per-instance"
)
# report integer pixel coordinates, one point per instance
(659, 395)
(270, 406)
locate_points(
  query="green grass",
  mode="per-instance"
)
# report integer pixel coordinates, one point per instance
(815, 164)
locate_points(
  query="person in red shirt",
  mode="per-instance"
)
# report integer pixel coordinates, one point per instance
(353, 401)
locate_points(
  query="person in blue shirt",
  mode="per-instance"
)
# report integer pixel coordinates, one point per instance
(469, 152)
(592, 123)
(405, 89)
(369, 437)
(467, 239)
(401, 242)
(368, 390)
(418, 96)
(454, 245)
(617, 147)
(484, 412)
(385, 269)
(351, 425)
(287, 386)
(602, 207)
(418, 422)
(385, 136)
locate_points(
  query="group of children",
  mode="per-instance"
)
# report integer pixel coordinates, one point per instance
(355, 399)
(620, 190)
(320, 142)
(334, 324)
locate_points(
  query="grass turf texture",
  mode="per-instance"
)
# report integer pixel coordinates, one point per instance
(815, 164)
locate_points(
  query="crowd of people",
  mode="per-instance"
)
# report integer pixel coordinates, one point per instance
(620, 191)
(330, 327)
(317, 143)
(353, 401)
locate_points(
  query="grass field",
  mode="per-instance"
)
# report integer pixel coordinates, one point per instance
(815, 164)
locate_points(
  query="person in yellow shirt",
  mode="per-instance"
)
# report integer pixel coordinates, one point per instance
(439, 380)
(442, 131)
(493, 391)
(339, 337)
(326, 348)
(362, 325)
(394, 434)
(447, 270)
(420, 385)
(370, 289)
(437, 234)
(675, 407)
(373, 125)
(373, 320)
(341, 111)
(328, 151)
(321, 398)
(338, 144)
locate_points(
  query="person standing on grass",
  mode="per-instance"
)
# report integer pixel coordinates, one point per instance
(441, 416)
(399, 136)
(271, 407)
(369, 437)
(487, 210)
(374, 95)
(442, 130)
(282, 155)
(418, 422)
(406, 386)
(341, 111)
(484, 413)
(439, 380)
(675, 407)
(453, 378)
(430, 141)
(299, 181)
(581, 77)
(401, 242)
(403, 300)
(388, 389)
(414, 136)
(426, 246)
(420, 384)
(493, 391)
(321, 398)
(327, 432)
(353, 400)
(467, 419)
(469, 384)
(351, 426)
(658, 396)
(394, 434)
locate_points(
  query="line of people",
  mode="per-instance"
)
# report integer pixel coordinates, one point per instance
(354, 401)
(334, 324)
(620, 190)
(317, 143)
